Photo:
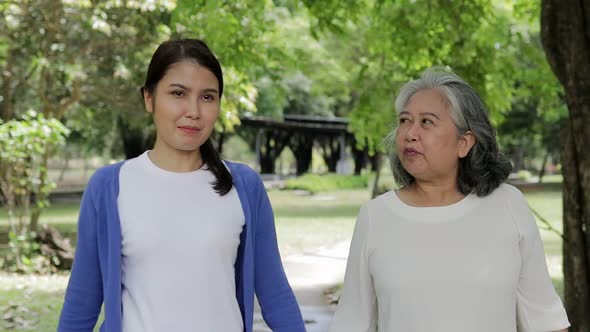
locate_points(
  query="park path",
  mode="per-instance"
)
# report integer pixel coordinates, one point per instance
(310, 274)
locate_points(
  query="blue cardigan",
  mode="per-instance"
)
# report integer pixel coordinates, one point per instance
(96, 273)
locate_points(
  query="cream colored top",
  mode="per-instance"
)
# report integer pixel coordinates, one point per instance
(179, 245)
(476, 265)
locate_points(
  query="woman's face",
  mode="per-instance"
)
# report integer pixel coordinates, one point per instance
(185, 106)
(427, 140)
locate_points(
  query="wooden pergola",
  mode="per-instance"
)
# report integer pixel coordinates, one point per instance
(299, 133)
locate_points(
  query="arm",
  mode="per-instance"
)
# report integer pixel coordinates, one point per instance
(357, 308)
(539, 308)
(276, 298)
(84, 295)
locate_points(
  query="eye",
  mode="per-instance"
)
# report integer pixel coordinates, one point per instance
(177, 93)
(427, 121)
(404, 120)
(209, 97)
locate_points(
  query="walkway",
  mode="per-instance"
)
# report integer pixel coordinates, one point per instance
(310, 275)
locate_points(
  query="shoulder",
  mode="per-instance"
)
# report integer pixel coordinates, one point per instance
(506, 196)
(509, 195)
(378, 205)
(518, 208)
(381, 199)
(376, 209)
(104, 176)
(243, 173)
(508, 191)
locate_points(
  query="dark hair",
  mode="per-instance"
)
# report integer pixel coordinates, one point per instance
(174, 51)
(484, 168)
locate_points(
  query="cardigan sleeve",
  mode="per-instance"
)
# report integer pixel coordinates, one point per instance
(277, 300)
(84, 294)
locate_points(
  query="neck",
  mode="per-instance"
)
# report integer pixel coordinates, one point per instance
(174, 160)
(432, 193)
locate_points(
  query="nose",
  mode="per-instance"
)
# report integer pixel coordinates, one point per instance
(412, 132)
(194, 110)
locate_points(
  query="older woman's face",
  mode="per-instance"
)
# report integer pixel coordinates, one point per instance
(427, 141)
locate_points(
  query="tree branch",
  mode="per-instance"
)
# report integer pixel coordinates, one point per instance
(547, 224)
(65, 103)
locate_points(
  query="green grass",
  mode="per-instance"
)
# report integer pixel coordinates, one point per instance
(553, 178)
(56, 214)
(549, 205)
(328, 182)
(304, 223)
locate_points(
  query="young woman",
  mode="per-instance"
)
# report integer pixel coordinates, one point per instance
(455, 248)
(177, 239)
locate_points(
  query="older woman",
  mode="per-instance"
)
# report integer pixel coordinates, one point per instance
(454, 249)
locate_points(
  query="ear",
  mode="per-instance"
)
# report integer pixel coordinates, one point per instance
(148, 101)
(466, 142)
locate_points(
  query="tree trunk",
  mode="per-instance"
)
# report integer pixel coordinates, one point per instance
(330, 148)
(220, 140)
(565, 33)
(304, 156)
(543, 165)
(7, 102)
(54, 245)
(274, 141)
(378, 159)
(360, 158)
(575, 245)
(134, 140)
(40, 194)
(302, 147)
(267, 164)
(518, 157)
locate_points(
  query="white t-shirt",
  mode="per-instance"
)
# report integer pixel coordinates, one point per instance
(179, 246)
(474, 266)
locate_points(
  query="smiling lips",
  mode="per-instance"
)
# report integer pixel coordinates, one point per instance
(189, 129)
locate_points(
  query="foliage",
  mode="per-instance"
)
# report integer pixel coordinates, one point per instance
(24, 144)
(329, 182)
(391, 42)
(25, 255)
(60, 56)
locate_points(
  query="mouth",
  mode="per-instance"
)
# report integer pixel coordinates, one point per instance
(189, 129)
(410, 152)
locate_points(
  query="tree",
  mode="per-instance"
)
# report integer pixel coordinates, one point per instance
(565, 31)
(24, 146)
(58, 56)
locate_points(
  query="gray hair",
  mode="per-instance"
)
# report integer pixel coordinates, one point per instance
(484, 168)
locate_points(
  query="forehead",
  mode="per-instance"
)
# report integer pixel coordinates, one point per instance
(430, 100)
(190, 73)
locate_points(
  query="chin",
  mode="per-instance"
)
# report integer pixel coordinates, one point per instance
(415, 172)
(188, 148)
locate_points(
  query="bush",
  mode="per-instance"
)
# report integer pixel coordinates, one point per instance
(524, 175)
(25, 255)
(317, 183)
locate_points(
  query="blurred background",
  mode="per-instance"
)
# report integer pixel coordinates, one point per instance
(310, 88)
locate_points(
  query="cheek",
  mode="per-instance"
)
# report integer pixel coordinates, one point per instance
(398, 138)
(212, 115)
(443, 140)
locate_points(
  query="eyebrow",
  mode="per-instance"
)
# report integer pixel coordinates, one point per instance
(208, 90)
(422, 113)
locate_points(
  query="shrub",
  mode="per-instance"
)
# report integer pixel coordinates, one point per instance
(328, 182)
